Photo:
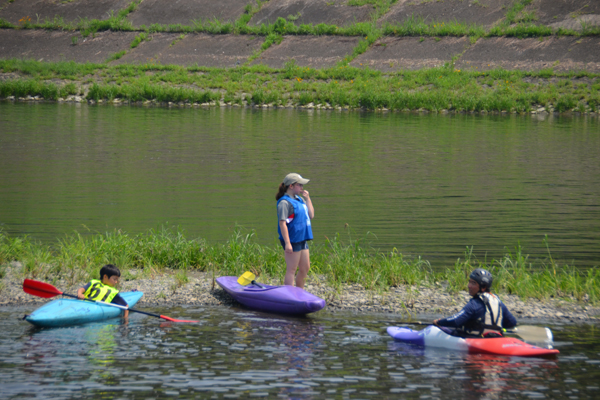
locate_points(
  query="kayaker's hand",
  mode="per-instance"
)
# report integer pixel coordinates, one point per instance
(80, 296)
(435, 322)
(288, 248)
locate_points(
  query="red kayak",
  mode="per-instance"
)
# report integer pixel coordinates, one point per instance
(432, 336)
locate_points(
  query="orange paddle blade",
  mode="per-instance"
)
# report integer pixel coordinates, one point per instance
(176, 320)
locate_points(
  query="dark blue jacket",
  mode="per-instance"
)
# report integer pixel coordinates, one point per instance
(473, 313)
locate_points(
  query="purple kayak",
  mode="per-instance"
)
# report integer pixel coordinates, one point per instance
(275, 299)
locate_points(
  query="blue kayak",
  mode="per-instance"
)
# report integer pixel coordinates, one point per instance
(63, 312)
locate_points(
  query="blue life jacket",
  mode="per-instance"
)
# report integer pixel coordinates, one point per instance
(298, 224)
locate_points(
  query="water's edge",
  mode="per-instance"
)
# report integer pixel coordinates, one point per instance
(406, 302)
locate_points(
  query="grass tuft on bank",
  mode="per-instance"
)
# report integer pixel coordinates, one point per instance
(77, 258)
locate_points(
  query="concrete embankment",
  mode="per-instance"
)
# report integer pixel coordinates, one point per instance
(388, 53)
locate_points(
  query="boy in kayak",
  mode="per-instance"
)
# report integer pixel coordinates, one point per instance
(104, 290)
(484, 315)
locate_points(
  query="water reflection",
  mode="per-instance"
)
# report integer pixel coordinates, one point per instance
(235, 353)
(243, 358)
(475, 375)
(54, 359)
(294, 344)
(489, 182)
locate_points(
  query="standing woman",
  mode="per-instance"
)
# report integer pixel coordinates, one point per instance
(294, 214)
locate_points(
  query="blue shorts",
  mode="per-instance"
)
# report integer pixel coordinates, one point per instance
(299, 246)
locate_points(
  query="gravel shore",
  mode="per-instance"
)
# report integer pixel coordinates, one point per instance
(407, 301)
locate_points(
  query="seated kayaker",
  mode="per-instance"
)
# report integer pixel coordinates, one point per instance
(104, 289)
(484, 315)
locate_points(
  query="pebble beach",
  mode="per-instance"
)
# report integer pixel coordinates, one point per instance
(408, 302)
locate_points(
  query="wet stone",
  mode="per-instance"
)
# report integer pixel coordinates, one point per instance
(310, 51)
(559, 53)
(57, 46)
(331, 12)
(185, 12)
(194, 49)
(70, 11)
(392, 54)
(482, 12)
(566, 14)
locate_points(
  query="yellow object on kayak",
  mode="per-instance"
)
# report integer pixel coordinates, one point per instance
(246, 278)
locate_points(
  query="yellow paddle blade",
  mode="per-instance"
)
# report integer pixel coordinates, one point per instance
(246, 278)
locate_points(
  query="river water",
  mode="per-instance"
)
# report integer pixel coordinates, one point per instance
(236, 353)
(428, 185)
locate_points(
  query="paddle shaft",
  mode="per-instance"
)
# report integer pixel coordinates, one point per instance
(258, 284)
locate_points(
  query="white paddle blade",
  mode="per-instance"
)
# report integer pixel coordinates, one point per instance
(534, 333)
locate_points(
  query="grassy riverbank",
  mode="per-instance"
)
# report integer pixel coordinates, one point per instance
(443, 89)
(77, 258)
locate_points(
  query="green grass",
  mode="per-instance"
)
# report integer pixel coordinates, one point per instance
(249, 12)
(32, 87)
(434, 90)
(139, 39)
(145, 91)
(116, 56)
(416, 26)
(513, 15)
(339, 261)
(271, 39)
(61, 69)
(4, 24)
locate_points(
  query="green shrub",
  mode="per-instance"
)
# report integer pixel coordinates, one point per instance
(565, 103)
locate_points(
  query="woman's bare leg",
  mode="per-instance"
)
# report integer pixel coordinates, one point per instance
(291, 262)
(303, 267)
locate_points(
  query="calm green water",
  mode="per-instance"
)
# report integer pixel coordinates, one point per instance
(234, 353)
(428, 185)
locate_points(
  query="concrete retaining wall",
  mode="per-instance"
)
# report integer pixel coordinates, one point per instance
(387, 54)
